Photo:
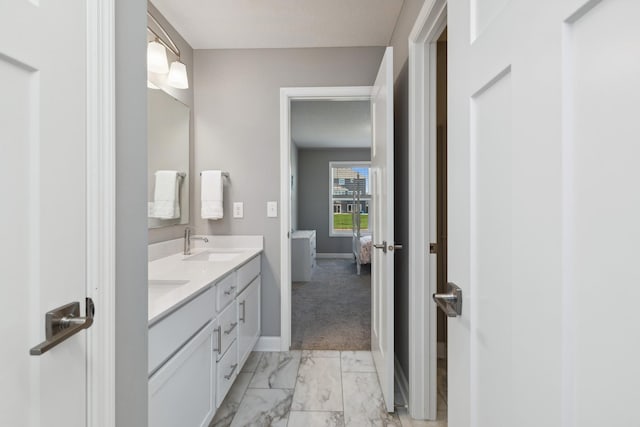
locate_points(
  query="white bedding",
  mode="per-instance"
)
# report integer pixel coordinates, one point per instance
(365, 250)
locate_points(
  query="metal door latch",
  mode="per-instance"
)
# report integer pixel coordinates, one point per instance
(62, 323)
(451, 302)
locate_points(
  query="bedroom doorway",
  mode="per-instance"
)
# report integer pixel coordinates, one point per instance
(330, 201)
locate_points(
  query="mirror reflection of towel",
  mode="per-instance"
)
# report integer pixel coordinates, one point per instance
(166, 197)
(211, 195)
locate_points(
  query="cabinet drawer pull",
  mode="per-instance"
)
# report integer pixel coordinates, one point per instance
(230, 290)
(218, 331)
(242, 317)
(233, 326)
(233, 369)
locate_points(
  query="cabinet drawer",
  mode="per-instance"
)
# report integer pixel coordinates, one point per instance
(227, 371)
(226, 291)
(248, 272)
(228, 324)
(168, 334)
(181, 392)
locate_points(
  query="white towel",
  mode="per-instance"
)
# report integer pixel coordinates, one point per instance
(211, 195)
(166, 197)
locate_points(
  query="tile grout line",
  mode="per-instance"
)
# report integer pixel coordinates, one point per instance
(293, 393)
(244, 393)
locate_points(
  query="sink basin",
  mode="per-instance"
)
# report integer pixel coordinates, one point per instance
(158, 288)
(214, 256)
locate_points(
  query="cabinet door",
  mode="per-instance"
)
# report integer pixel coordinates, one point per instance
(249, 319)
(181, 393)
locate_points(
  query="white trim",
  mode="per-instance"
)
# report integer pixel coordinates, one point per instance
(100, 176)
(422, 131)
(401, 381)
(346, 93)
(268, 344)
(334, 255)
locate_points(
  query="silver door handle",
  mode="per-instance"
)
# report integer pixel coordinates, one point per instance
(233, 369)
(62, 323)
(382, 246)
(451, 302)
(243, 304)
(394, 247)
(230, 290)
(233, 326)
(218, 331)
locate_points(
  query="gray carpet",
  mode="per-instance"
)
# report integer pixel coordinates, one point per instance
(333, 310)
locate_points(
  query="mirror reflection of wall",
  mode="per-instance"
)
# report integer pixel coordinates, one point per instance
(167, 150)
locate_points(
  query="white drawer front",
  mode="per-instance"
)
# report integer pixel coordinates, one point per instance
(166, 336)
(190, 371)
(227, 371)
(248, 272)
(228, 324)
(226, 291)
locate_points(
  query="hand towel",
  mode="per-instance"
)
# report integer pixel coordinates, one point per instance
(211, 194)
(166, 197)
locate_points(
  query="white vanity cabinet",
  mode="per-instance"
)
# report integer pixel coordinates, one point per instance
(180, 361)
(248, 319)
(198, 348)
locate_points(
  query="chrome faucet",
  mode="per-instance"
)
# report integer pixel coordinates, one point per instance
(188, 238)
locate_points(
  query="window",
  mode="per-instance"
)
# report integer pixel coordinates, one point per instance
(347, 180)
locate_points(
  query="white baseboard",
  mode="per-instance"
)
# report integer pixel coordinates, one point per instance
(401, 380)
(268, 344)
(334, 256)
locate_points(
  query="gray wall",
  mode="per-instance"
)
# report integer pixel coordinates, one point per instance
(237, 123)
(313, 194)
(399, 41)
(399, 38)
(131, 215)
(186, 97)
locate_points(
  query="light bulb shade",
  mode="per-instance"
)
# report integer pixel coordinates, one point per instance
(178, 75)
(157, 58)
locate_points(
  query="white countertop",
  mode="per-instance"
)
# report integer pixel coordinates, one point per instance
(199, 274)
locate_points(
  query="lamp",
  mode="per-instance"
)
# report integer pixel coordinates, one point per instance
(157, 57)
(178, 75)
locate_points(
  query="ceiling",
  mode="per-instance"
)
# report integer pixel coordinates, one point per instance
(242, 24)
(331, 124)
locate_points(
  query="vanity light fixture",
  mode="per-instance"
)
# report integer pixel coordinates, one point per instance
(157, 57)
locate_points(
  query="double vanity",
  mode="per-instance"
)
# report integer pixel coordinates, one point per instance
(204, 320)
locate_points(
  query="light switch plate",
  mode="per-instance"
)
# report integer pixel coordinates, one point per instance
(238, 210)
(272, 209)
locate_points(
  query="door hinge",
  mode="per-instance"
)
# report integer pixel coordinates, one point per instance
(433, 248)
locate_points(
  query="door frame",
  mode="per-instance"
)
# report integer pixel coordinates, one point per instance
(430, 23)
(288, 94)
(100, 211)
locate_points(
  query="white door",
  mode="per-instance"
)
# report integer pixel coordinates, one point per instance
(544, 212)
(42, 219)
(382, 222)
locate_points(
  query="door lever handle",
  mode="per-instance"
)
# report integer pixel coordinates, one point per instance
(62, 323)
(451, 302)
(382, 246)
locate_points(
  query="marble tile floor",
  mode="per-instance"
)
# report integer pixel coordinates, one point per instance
(311, 388)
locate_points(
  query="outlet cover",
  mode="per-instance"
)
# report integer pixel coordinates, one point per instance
(238, 210)
(272, 209)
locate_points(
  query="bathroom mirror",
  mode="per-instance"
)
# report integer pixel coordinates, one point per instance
(167, 150)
